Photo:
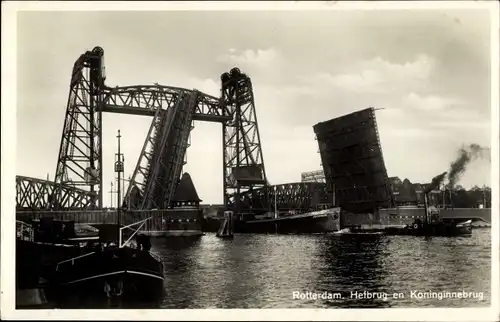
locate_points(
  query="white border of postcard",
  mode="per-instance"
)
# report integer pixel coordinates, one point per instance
(8, 128)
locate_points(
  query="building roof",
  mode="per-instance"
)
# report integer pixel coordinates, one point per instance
(418, 187)
(185, 190)
(395, 180)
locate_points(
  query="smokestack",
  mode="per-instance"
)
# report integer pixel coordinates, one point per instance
(444, 195)
(436, 182)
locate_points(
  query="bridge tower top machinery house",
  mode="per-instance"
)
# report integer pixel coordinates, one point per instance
(78, 180)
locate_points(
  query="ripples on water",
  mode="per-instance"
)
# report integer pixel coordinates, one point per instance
(263, 271)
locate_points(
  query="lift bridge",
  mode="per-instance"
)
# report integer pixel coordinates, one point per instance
(78, 185)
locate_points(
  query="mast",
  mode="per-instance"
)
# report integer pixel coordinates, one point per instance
(111, 194)
(118, 170)
(426, 206)
(128, 201)
(451, 201)
(333, 196)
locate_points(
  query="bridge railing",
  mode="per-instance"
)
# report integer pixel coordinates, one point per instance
(78, 216)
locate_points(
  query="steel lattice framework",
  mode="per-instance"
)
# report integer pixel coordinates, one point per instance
(80, 152)
(162, 157)
(37, 194)
(243, 161)
(156, 175)
(298, 196)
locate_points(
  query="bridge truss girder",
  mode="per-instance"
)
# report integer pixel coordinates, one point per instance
(145, 99)
(298, 196)
(37, 194)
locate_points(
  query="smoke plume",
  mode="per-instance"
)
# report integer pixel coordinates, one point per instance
(466, 154)
(436, 182)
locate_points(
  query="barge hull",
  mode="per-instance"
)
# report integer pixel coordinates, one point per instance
(322, 221)
(137, 271)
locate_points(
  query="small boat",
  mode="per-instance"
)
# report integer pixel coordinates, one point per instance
(357, 232)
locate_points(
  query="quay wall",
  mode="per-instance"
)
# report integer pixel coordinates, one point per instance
(179, 222)
(484, 213)
(404, 216)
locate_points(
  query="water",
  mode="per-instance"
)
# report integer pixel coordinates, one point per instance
(264, 271)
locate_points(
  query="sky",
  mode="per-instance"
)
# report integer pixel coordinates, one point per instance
(428, 71)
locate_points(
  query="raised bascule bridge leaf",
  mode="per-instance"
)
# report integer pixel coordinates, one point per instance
(353, 163)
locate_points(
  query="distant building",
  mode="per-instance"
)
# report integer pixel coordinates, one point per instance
(313, 176)
(404, 191)
(395, 184)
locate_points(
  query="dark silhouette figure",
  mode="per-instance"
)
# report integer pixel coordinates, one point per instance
(143, 242)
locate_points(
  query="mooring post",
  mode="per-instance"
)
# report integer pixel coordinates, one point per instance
(426, 207)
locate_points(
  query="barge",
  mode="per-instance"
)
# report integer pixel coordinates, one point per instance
(320, 221)
(90, 266)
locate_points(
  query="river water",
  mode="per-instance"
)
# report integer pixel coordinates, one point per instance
(266, 271)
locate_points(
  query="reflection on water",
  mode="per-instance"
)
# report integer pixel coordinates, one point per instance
(263, 271)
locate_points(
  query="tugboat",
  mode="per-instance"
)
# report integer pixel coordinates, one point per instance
(435, 225)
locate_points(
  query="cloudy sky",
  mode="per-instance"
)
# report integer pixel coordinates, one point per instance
(428, 70)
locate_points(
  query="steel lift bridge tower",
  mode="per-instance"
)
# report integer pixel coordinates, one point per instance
(78, 181)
